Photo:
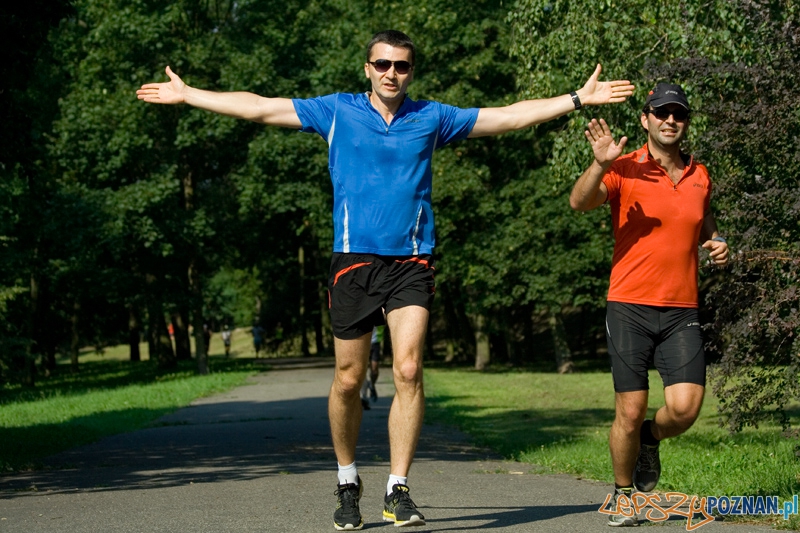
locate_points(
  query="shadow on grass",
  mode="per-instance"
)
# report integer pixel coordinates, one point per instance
(513, 431)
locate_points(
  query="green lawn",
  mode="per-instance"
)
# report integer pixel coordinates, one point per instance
(106, 397)
(556, 423)
(560, 423)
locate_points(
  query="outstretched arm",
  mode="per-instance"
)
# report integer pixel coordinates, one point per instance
(247, 106)
(590, 191)
(497, 120)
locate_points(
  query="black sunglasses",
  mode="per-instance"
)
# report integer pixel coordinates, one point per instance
(662, 113)
(383, 65)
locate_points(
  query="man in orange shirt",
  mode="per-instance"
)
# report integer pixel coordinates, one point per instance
(659, 200)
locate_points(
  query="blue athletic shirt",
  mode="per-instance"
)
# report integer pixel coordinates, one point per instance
(381, 173)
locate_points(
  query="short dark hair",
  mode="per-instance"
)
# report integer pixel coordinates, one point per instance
(393, 38)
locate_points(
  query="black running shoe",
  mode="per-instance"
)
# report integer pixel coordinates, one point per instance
(399, 508)
(365, 404)
(347, 516)
(619, 519)
(648, 468)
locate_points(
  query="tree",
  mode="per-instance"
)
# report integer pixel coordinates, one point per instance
(31, 83)
(753, 140)
(735, 59)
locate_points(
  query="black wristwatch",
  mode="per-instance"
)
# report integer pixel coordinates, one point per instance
(576, 100)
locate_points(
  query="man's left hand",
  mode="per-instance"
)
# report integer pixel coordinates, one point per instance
(604, 92)
(717, 251)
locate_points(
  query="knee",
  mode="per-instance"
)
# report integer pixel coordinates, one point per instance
(684, 414)
(408, 372)
(629, 418)
(348, 382)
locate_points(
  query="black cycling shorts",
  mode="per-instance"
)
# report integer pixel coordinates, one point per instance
(668, 337)
(362, 287)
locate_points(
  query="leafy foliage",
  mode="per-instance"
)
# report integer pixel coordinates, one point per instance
(736, 60)
(754, 140)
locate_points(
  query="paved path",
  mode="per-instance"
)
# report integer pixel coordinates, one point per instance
(259, 459)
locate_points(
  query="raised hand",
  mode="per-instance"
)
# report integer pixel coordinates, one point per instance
(171, 92)
(596, 92)
(605, 149)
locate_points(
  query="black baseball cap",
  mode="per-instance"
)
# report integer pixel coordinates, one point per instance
(666, 93)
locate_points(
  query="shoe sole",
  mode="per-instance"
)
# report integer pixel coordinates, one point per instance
(348, 527)
(629, 522)
(645, 488)
(413, 521)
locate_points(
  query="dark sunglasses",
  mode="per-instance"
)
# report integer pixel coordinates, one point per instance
(383, 65)
(662, 113)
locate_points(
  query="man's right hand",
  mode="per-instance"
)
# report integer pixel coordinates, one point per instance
(605, 149)
(171, 92)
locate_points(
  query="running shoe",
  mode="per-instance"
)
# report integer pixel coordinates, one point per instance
(399, 508)
(365, 404)
(620, 520)
(347, 516)
(648, 468)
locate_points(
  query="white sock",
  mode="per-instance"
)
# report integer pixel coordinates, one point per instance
(395, 480)
(348, 474)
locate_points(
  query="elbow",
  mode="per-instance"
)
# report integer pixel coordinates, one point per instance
(578, 204)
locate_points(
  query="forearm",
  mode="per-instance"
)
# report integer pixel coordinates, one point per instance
(709, 228)
(244, 105)
(587, 193)
(497, 120)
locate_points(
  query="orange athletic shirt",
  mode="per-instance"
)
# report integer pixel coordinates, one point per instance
(656, 230)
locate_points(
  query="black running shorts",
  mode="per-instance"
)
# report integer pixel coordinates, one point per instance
(361, 287)
(668, 337)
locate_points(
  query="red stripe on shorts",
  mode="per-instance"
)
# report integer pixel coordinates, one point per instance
(346, 270)
(423, 262)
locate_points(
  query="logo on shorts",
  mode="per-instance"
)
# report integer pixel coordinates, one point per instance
(693, 324)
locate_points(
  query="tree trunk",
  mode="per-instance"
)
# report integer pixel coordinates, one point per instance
(482, 350)
(180, 327)
(26, 361)
(196, 292)
(324, 320)
(195, 282)
(74, 344)
(301, 261)
(564, 363)
(450, 354)
(134, 332)
(159, 341)
(44, 337)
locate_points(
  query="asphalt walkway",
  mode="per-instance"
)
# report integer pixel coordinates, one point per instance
(259, 459)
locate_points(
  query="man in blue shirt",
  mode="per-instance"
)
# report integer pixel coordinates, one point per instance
(380, 148)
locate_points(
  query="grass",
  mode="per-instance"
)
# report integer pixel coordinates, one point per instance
(560, 423)
(108, 396)
(556, 423)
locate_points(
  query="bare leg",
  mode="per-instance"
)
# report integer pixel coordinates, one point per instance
(623, 440)
(408, 326)
(682, 406)
(374, 370)
(344, 400)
